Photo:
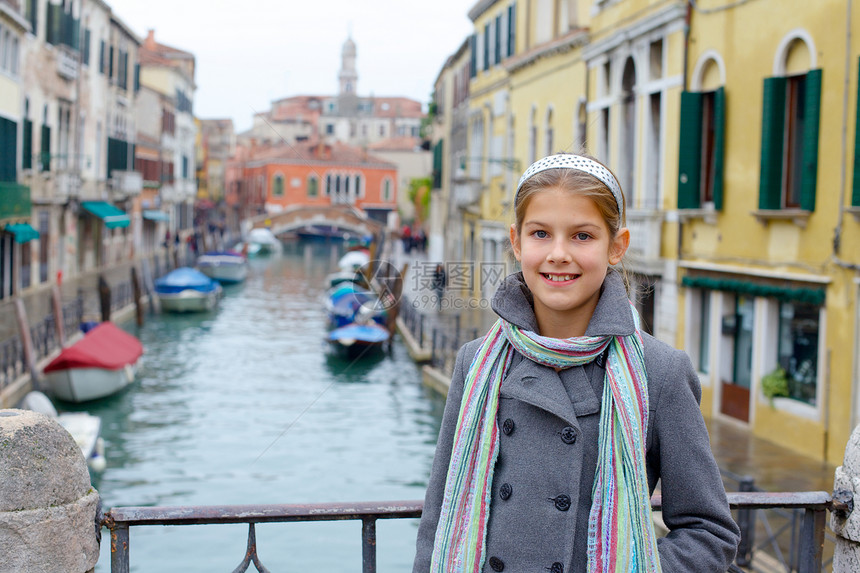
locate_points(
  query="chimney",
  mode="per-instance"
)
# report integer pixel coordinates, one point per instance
(149, 42)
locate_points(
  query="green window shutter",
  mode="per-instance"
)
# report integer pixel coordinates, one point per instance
(772, 136)
(437, 165)
(46, 148)
(690, 151)
(9, 153)
(812, 117)
(719, 145)
(27, 143)
(855, 195)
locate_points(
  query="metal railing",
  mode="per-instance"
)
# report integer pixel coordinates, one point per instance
(773, 532)
(12, 364)
(811, 506)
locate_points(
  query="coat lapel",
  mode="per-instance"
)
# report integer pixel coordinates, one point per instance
(541, 387)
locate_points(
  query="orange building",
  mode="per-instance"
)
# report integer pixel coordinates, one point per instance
(314, 174)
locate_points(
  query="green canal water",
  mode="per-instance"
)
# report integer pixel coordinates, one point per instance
(244, 405)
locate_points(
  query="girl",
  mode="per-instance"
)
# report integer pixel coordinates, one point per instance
(561, 420)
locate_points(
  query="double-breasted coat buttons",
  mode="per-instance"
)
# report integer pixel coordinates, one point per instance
(568, 435)
(506, 490)
(497, 564)
(562, 502)
(508, 427)
(555, 568)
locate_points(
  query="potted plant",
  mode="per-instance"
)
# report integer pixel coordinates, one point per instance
(775, 383)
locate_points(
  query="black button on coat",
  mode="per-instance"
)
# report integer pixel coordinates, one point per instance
(527, 531)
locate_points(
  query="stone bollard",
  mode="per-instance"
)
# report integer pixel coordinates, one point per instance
(48, 509)
(846, 523)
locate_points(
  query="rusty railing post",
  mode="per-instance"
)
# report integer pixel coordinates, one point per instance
(368, 545)
(119, 548)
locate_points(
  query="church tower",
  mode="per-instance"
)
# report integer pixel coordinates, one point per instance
(348, 77)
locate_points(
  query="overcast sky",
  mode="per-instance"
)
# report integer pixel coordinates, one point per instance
(252, 52)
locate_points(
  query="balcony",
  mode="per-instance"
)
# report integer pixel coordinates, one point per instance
(466, 192)
(645, 237)
(128, 183)
(14, 201)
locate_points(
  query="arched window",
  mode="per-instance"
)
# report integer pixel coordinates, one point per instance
(278, 185)
(358, 185)
(313, 186)
(387, 189)
(627, 159)
(791, 114)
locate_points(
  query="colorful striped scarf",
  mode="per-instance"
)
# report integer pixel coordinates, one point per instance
(620, 531)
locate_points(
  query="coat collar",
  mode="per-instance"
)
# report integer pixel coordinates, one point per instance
(612, 317)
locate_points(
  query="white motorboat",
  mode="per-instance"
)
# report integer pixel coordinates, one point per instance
(84, 428)
(101, 363)
(187, 290)
(226, 267)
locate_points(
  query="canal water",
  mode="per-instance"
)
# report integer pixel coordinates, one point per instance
(244, 405)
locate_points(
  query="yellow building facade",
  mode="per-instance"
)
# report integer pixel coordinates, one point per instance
(767, 202)
(732, 128)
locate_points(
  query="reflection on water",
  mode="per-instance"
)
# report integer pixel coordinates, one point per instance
(245, 405)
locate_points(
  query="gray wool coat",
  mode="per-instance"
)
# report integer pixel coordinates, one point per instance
(542, 483)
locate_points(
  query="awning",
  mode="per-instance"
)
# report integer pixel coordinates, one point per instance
(814, 296)
(23, 232)
(112, 216)
(155, 215)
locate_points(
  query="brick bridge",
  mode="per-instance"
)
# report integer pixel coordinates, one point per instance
(344, 217)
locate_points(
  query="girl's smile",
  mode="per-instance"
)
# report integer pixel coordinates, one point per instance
(564, 247)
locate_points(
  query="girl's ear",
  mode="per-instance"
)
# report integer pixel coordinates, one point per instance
(619, 245)
(515, 242)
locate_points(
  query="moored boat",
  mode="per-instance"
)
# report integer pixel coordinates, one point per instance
(101, 363)
(187, 290)
(226, 267)
(262, 241)
(355, 340)
(348, 301)
(84, 428)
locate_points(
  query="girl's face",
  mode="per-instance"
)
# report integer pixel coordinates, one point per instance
(564, 248)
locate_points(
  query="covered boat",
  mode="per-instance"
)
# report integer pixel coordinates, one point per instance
(187, 290)
(226, 267)
(347, 301)
(101, 363)
(355, 340)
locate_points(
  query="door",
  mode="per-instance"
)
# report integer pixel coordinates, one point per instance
(739, 328)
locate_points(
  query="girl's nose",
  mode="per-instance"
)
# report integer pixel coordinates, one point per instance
(558, 253)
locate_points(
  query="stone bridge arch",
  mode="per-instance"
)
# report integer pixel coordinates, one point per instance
(344, 217)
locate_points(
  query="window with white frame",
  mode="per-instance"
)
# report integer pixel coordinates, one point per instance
(278, 185)
(387, 189)
(797, 349)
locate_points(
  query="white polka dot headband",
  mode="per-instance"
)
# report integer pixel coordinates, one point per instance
(579, 163)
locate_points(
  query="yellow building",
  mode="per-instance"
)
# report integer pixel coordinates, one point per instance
(768, 196)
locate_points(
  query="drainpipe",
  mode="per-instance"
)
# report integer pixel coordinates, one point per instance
(837, 232)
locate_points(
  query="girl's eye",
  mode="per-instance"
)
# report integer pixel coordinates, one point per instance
(582, 236)
(541, 234)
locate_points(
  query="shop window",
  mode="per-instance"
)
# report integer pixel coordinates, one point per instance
(797, 349)
(704, 331)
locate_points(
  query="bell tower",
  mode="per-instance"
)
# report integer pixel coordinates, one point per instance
(348, 77)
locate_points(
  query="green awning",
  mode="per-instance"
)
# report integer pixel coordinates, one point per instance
(786, 294)
(112, 216)
(23, 232)
(156, 215)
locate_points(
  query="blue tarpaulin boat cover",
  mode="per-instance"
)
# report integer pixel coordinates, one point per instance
(185, 278)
